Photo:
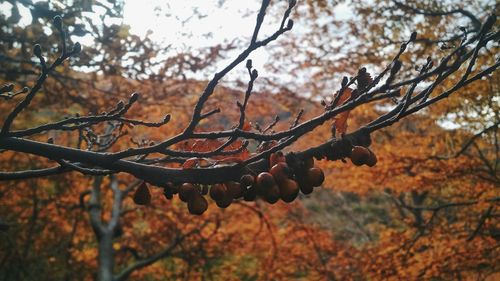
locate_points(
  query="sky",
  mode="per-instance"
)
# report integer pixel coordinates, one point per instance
(174, 21)
(196, 23)
(214, 22)
(224, 21)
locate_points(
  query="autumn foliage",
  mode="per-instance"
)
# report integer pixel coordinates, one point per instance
(382, 166)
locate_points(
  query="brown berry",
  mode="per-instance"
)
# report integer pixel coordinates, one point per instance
(359, 155)
(247, 180)
(186, 191)
(372, 159)
(276, 158)
(142, 196)
(250, 194)
(168, 191)
(265, 181)
(224, 202)
(218, 192)
(289, 190)
(197, 205)
(272, 195)
(305, 186)
(234, 189)
(315, 176)
(281, 172)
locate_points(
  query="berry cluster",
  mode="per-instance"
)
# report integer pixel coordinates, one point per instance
(281, 181)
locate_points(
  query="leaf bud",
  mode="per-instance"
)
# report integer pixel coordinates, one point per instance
(134, 97)
(77, 48)
(289, 24)
(345, 80)
(120, 105)
(413, 36)
(255, 74)
(58, 22)
(37, 50)
(249, 63)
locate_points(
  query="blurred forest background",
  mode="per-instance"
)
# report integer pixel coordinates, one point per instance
(429, 210)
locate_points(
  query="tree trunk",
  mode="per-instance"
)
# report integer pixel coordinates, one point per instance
(106, 257)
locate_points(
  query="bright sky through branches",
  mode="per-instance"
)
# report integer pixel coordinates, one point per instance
(196, 23)
(199, 23)
(188, 25)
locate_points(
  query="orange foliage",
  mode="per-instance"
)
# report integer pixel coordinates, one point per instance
(380, 223)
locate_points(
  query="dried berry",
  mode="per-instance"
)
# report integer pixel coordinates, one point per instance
(197, 205)
(281, 172)
(218, 192)
(359, 155)
(247, 180)
(315, 176)
(372, 159)
(265, 181)
(276, 158)
(186, 191)
(305, 186)
(250, 194)
(272, 195)
(224, 202)
(234, 189)
(289, 190)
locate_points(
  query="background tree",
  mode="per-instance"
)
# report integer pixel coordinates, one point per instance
(463, 147)
(222, 142)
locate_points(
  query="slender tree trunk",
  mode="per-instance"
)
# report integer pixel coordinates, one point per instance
(103, 234)
(106, 257)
